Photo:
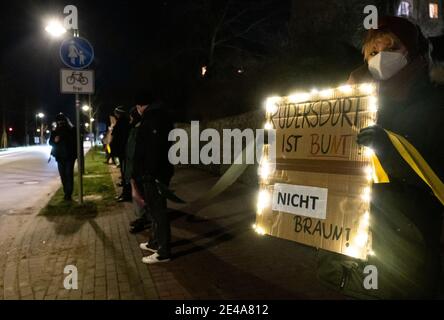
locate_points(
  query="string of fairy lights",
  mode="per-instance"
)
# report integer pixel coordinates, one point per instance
(360, 247)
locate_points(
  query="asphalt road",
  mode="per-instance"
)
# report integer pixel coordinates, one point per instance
(26, 179)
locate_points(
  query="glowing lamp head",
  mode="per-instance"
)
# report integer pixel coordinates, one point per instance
(55, 28)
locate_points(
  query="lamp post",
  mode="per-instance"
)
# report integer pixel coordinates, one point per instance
(40, 116)
(88, 109)
(56, 30)
(89, 126)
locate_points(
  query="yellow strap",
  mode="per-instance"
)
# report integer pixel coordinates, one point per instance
(418, 164)
(108, 148)
(379, 174)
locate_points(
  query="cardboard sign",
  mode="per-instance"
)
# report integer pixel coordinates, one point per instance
(320, 190)
(300, 200)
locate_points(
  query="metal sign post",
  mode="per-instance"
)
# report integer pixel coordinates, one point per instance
(77, 53)
(79, 149)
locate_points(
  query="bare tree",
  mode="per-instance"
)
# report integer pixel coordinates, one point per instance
(236, 22)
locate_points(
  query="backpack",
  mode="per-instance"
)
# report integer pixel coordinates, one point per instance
(343, 274)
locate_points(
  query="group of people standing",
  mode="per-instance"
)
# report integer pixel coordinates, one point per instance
(139, 140)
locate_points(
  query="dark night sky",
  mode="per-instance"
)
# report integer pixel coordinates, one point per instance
(30, 61)
(129, 37)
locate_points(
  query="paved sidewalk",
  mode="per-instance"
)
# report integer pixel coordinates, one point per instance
(216, 254)
(34, 251)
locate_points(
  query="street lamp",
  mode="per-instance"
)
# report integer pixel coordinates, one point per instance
(55, 28)
(87, 108)
(41, 116)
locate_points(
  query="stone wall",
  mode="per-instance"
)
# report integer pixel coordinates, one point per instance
(254, 120)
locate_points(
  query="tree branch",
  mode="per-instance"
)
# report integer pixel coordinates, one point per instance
(240, 34)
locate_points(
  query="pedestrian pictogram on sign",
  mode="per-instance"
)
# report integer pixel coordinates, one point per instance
(77, 53)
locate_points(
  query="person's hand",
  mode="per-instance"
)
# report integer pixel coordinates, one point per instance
(136, 195)
(57, 139)
(373, 137)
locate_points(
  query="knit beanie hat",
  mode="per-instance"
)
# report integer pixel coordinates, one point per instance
(410, 34)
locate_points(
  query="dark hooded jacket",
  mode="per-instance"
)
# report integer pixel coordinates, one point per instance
(152, 145)
(131, 147)
(120, 137)
(66, 148)
(406, 217)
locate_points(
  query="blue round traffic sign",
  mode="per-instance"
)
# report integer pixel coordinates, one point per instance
(77, 53)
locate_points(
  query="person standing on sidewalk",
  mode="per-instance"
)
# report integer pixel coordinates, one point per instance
(108, 139)
(64, 150)
(143, 221)
(118, 147)
(153, 170)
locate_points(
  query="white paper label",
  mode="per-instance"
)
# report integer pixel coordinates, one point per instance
(300, 200)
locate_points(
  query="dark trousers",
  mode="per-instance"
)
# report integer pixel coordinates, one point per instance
(126, 191)
(122, 167)
(66, 171)
(157, 208)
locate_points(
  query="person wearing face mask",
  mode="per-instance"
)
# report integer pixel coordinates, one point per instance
(406, 217)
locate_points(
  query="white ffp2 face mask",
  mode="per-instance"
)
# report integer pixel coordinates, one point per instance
(386, 64)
